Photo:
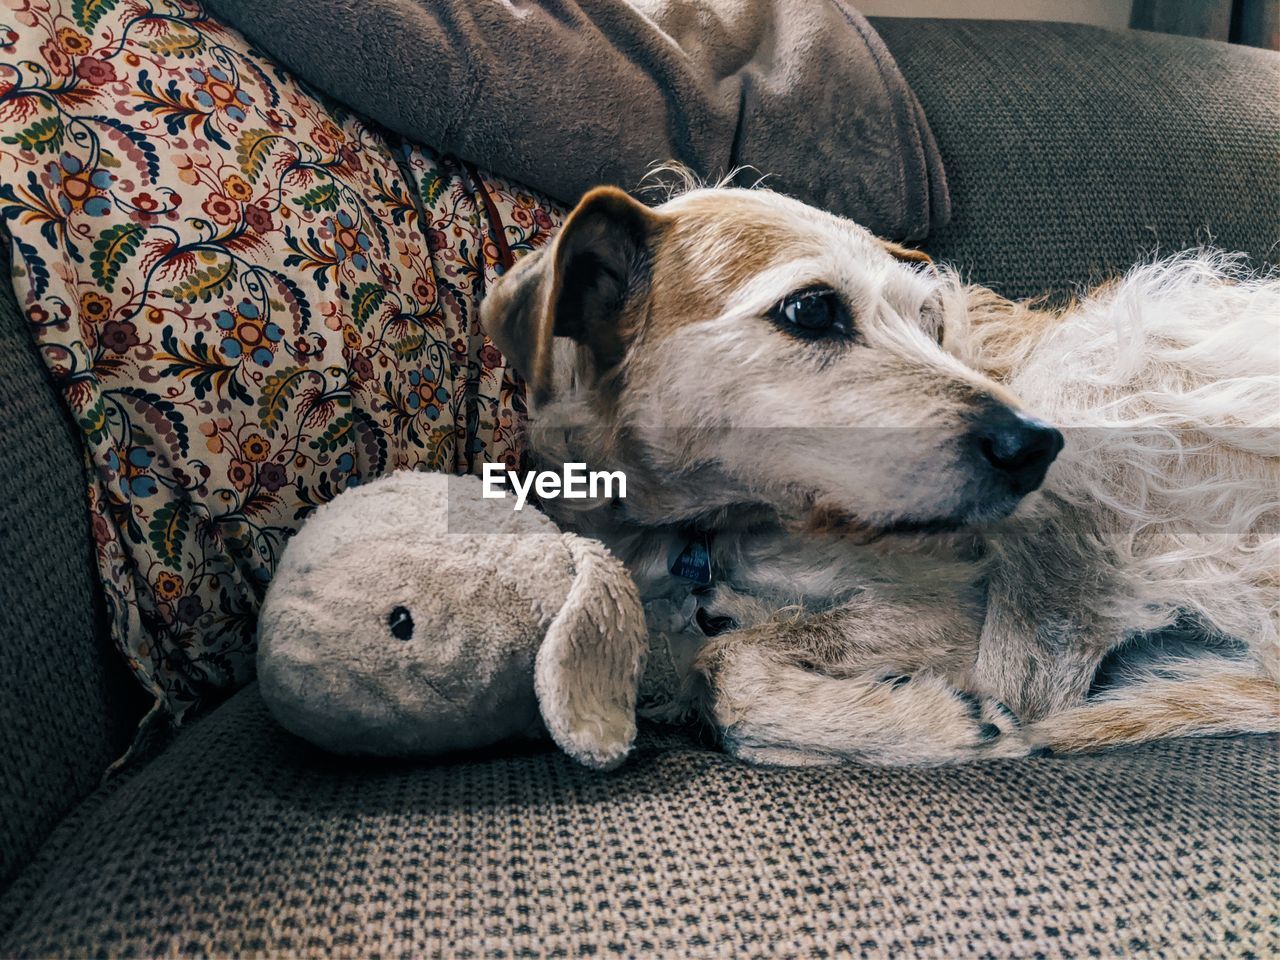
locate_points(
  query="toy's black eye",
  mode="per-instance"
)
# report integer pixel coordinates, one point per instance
(814, 313)
(401, 623)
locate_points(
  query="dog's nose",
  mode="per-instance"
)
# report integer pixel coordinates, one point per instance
(1019, 447)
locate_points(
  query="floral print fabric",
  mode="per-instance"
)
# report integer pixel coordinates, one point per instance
(248, 298)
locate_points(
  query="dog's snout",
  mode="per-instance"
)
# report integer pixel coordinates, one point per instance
(1020, 447)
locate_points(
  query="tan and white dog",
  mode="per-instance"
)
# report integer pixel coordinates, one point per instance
(861, 442)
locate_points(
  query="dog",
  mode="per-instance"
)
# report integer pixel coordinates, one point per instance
(931, 525)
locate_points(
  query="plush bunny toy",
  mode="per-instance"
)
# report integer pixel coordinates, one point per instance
(412, 616)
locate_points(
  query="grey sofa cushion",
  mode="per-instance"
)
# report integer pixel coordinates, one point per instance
(240, 839)
(1072, 151)
(67, 707)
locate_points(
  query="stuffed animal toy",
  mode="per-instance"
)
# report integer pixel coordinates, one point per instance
(411, 616)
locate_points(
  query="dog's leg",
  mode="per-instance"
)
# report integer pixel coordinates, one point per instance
(1034, 660)
(826, 689)
(1052, 589)
(1190, 697)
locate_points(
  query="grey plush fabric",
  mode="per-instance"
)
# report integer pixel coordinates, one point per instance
(240, 840)
(566, 95)
(414, 616)
(65, 702)
(1072, 151)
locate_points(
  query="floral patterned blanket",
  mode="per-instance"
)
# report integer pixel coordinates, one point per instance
(249, 300)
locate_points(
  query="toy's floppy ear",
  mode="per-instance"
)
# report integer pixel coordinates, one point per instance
(588, 668)
(578, 288)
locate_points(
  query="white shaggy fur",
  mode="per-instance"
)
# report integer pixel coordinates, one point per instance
(1168, 382)
(412, 616)
(1167, 386)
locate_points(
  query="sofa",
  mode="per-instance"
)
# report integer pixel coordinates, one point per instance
(1071, 152)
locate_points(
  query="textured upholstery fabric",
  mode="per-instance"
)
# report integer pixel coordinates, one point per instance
(65, 702)
(240, 839)
(1072, 151)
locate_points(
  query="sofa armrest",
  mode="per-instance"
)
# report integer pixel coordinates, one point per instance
(67, 705)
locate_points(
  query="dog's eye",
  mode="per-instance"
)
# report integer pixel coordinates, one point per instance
(814, 313)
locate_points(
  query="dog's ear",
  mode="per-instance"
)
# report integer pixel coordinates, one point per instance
(578, 288)
(906, 254)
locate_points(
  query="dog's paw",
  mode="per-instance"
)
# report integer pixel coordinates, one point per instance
(893, 721)
(940, 724)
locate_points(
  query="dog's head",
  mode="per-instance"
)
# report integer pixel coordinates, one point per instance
(763, 352)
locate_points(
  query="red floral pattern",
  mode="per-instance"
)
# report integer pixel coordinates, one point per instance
(249, 299)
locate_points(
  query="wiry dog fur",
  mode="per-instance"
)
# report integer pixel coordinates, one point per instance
(892, 600)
